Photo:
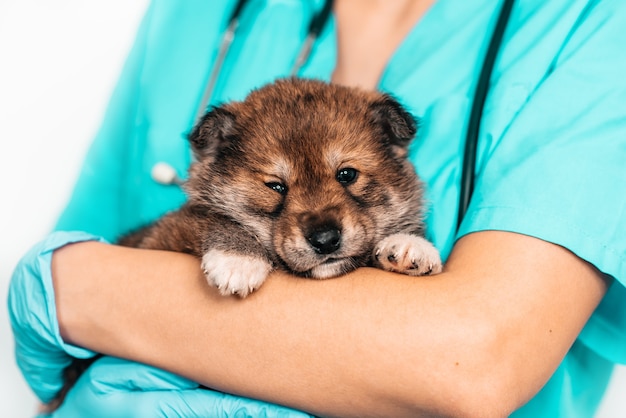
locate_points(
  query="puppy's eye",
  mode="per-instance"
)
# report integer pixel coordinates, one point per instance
(277, 187)
(347, 176)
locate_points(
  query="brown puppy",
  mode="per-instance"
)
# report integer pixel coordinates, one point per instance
(301, 175)
(304, 176)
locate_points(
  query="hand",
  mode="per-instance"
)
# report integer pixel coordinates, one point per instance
(40, 352)
(113, 387)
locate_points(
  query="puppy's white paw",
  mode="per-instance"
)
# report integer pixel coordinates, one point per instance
(234, 273)
(408, 254)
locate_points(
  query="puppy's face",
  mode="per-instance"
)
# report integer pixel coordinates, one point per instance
(316, 172)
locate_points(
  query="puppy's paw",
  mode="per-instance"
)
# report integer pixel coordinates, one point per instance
(407, 254)
(234, 274)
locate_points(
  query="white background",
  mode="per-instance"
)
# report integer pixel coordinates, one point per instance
(58, 63)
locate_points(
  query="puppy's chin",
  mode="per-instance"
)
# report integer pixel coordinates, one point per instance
(332, 268)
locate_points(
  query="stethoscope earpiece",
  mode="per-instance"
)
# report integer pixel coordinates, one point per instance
(164, 174)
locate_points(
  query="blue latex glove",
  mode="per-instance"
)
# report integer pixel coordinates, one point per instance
(116, 388)
(40, 352)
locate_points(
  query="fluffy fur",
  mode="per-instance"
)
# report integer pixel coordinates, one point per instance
(302, 175)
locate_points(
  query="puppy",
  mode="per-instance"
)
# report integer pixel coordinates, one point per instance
(303, 176)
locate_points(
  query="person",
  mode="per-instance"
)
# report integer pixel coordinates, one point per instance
(528, 317)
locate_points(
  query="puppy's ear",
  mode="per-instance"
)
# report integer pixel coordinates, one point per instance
(397, 123)
(215, 130)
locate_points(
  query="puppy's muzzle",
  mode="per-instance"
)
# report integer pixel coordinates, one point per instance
(325, 239)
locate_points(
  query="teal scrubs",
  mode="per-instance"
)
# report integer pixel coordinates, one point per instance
(551, 157)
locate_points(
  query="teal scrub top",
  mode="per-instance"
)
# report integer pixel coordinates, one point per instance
(552, 147)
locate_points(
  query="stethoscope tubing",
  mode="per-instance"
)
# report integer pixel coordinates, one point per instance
(316, 26)
(227, 40)
(468, 170)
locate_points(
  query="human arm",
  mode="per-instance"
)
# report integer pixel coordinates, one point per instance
(478, 340)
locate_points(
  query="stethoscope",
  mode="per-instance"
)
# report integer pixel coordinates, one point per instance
(164, 174)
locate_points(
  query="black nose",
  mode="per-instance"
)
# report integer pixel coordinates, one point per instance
(325, 240)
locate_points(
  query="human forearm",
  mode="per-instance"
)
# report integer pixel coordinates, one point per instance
(118, 311)
(369, 343)
(343, 354)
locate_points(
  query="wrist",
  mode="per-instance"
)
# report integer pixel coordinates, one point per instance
(71, 288)
(103, 291)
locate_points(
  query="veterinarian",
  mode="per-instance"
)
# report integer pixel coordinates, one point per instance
(527, 318)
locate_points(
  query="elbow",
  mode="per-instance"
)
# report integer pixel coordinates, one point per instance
(482, 379)
(486, 399)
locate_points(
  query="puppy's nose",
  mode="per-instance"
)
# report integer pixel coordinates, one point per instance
(325, 240)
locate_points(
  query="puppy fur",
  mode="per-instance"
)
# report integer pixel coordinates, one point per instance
(304, 176)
